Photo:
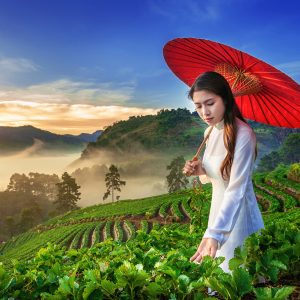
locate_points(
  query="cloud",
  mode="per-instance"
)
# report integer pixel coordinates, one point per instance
(291, 68)
(65, 117)
(16, 65)
(68, 91)
(12, 69)
(192, 10)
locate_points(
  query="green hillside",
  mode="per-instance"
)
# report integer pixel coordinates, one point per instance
(175, 131)
(140, 249)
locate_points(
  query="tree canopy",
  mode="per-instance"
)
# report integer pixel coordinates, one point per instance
(176, 179)
(68, 193)
(113, 182)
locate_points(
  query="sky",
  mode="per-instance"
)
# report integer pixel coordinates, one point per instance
(73, 66)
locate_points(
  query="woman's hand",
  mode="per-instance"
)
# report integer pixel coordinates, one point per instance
(208, 246)
(193, 167)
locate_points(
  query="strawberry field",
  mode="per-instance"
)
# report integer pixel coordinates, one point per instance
(140, 249)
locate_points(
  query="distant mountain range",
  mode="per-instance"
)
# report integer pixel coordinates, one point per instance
(16, 139)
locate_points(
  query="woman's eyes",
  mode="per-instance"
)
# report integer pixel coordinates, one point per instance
(209, 104)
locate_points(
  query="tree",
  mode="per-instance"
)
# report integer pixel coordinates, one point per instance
(10, 225)
(113, 182)
(37, 184)
(176, 179)
(68, 194)
(288, 153)
(44, 185)
(19, 183)
(290, 149)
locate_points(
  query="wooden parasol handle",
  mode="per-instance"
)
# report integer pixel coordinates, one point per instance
(199, 149)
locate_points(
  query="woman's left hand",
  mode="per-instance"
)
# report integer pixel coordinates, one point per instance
(208, 246)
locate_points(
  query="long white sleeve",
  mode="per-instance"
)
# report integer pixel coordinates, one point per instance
(204, 178)
(241, 171)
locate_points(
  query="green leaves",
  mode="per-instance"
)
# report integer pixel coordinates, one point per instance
(273, 293)
(154, 266)
(231, 287)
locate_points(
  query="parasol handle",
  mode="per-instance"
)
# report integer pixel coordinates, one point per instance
(199, 149)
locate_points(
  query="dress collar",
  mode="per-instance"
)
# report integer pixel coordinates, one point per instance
(220, 125)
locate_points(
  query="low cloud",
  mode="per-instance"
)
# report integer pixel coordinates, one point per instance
(68, 91)
(66, 106)
(65, 118)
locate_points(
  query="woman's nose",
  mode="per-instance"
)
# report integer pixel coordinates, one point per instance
(205, 111)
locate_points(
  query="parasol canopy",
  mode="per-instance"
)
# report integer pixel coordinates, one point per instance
(263, 93)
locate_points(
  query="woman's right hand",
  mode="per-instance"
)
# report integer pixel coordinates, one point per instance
(193, 168)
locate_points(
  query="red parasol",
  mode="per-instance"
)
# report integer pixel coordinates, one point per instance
(262, 93)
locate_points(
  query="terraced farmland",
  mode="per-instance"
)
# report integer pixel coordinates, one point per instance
(158, 233)
(120, 221)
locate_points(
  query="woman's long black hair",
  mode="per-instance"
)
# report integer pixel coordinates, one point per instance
(217, 84)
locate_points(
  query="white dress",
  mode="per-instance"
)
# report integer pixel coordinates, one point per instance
(234, 213)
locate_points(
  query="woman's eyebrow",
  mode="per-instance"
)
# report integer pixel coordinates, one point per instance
(204, 101)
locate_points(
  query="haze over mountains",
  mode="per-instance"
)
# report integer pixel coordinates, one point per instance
(141, 148)
(37, 141)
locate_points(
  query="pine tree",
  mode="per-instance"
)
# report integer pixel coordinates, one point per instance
(68, 193)
(113, 182)
(176, 179)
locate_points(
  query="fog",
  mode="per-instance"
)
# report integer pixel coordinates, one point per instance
(23, 163)
(144, 172)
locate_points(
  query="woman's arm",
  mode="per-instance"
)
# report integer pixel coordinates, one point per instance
(234, 194)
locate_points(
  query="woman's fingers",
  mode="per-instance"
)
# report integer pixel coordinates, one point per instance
(198, 256)
(189, 167)
(195, 255)
(213, 252)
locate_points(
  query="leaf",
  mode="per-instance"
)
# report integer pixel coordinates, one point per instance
(278, 264)
(263, 293)
(183, 283)
(109, 287)
(64, 286)
(284, 292)
(242, 281)
(89, 289)
(217, 285)
(273, 273)
(235, 263)
(154, 289)
(267, 293)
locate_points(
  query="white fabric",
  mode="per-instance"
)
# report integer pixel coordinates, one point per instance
(234, 213)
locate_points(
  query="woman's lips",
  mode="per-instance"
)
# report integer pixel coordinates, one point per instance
(207, 120)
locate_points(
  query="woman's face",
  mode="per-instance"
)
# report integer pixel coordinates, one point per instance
(209, 106)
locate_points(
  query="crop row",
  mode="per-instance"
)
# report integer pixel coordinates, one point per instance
(286, 201)
(282, 186)
(87, 235)
(267, 202)
(175, 210)
(279, 178)
(147, 206)
(29, 247)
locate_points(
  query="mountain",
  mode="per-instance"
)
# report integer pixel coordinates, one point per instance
(89, 137)
(174, 132)
(16, 139)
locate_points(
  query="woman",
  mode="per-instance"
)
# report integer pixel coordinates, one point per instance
(228, 164)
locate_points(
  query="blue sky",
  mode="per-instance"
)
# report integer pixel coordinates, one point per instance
(77, 65)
